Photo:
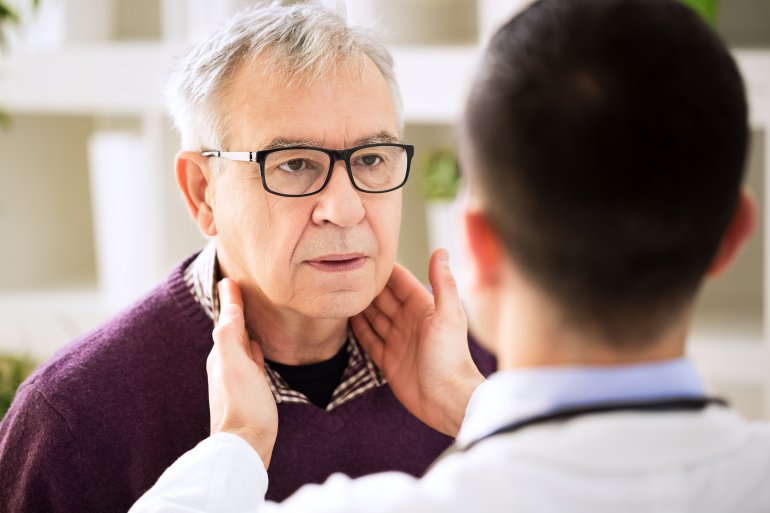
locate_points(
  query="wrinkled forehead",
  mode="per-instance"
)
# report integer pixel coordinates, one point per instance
(267, 100)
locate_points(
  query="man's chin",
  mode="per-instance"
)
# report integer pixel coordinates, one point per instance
(341, 304)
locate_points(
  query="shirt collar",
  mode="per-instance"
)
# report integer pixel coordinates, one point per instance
(516, 395)
(202, 275)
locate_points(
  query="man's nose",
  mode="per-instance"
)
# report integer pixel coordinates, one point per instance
(339, 202)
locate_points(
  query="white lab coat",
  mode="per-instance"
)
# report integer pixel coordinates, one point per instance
(704, 461)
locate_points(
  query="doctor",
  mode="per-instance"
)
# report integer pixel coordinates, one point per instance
(605, 143)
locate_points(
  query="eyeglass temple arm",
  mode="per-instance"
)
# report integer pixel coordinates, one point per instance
(243, 156)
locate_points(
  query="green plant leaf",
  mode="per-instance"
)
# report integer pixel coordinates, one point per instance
(7, 14)
(439, 175)
(13, 371)
(8, 17)
(5, 120)
(706, 8)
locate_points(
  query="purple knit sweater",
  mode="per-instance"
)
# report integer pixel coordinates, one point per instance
(94, 427)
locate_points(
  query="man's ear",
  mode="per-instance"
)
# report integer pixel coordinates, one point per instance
(194, 179)
(738, 232)
(484, 249)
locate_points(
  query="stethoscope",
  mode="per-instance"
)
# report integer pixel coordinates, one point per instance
(563, 414)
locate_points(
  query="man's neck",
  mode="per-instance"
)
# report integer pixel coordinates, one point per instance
(288, 337)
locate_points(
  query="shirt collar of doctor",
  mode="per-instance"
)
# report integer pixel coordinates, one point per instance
(516, 395)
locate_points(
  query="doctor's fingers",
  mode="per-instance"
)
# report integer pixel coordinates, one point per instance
(388, 303)
(379, 321)
(257, 355)
(230, 330)
(370, 341)
(229, 293)
(231, 342)
(445, 293)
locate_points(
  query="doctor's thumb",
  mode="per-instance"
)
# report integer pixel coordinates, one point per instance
(444, 285)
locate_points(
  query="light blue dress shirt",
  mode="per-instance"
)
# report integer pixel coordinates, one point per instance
(517, 395)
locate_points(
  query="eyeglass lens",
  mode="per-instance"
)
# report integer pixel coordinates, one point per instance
(303, 171)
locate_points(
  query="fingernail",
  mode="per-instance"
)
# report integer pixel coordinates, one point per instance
(443, 257)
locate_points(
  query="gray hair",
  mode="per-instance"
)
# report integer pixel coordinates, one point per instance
(305, 41)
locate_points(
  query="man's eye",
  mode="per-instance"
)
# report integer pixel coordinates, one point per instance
(293, 165)
(370, 160)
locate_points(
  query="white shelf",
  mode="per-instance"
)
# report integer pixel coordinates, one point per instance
(421, 70)
(93, 79)
(755, 67)
(128, 78)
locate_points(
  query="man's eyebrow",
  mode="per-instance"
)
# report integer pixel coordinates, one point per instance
(285, 143)
(383, 137)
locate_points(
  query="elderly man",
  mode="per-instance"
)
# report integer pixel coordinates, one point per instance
(605, 141)
(290, 121)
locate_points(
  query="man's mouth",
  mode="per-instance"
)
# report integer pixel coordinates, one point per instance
(338, 263)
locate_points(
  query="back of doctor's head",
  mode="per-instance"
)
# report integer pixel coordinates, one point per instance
(608, 139)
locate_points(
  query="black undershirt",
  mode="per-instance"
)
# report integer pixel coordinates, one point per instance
(316, 380)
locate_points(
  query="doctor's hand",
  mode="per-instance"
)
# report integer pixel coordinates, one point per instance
(240, 400)
(419, 341)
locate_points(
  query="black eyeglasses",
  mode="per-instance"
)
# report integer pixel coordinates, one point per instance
(305, 170)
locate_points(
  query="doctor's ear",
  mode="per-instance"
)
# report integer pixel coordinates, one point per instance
(739, 231)
(194, 179)
(484, 249)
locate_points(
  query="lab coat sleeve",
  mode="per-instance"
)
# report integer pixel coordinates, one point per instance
(224, 474)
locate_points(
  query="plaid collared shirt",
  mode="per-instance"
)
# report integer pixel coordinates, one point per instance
(359, 376)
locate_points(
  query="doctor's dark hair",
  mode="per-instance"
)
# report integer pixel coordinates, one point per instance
(608, 140)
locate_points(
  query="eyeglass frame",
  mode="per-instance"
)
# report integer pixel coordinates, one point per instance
(260, 156)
